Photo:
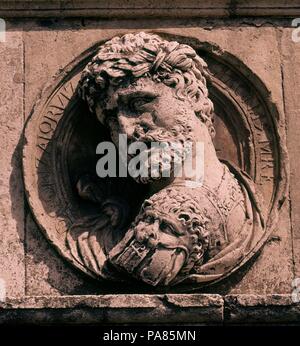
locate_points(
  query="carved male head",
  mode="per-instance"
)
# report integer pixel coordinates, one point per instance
(170, 238)
(148, 88)
(153, 90)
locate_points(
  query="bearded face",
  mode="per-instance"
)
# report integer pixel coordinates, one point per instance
(154, 249)
(164, 242)
(149, 112)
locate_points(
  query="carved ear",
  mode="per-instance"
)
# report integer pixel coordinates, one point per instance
(118, 211)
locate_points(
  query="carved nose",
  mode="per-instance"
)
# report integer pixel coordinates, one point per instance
(147, 232)
(126, 125)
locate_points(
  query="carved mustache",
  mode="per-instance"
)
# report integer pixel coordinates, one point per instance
(155, 266)
(147, 135)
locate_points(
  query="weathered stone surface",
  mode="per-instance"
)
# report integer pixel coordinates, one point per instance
(38, 73)
(131, 308)
(46, 270)
(133, 9)
(269, 309)
(12, 265)
(44, 288)
(262, 57)
(274, 265)
(291, 78)
(224, 222)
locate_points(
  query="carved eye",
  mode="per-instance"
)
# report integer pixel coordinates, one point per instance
(167, 228)
(149, 219)
(136, 104)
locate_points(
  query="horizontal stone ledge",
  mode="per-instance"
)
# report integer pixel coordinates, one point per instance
(123, 308)
(146, 8)
(203, 309)
(261, 309)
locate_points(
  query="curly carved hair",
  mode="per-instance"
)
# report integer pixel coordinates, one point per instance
(138, 55)
(186, 208)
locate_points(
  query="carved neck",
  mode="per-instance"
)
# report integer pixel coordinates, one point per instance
(213, 168)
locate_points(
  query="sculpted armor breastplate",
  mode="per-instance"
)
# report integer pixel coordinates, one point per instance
(192, 222)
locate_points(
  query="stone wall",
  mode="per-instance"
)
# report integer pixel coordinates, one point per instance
(41, 39)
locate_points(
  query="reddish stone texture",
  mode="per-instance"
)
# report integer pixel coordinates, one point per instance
(35, 51)
(262, 58)
(12, 264)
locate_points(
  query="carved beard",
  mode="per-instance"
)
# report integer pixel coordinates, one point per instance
(156, 264)
(179, 135)
(162, 162)
(165, 241)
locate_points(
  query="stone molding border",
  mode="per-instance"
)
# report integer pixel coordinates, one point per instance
(198, 309)
(165, 8)
(51, 198)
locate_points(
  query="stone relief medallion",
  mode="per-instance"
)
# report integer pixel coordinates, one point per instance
(161, 232)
